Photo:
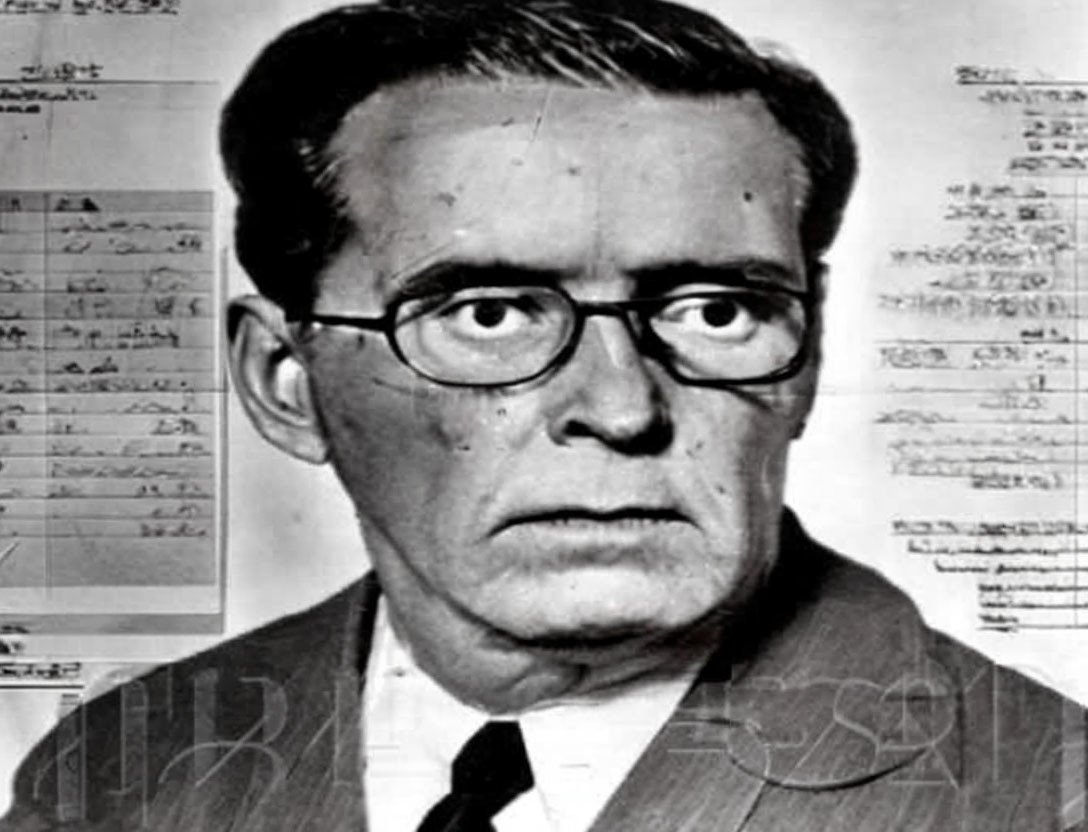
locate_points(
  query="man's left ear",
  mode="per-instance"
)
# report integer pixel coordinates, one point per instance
(272, 379)
(817, 280)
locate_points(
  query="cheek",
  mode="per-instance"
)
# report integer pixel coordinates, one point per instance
(399, 441)
(746, 423)
(736, 445)
(789, 403)
(448, 422)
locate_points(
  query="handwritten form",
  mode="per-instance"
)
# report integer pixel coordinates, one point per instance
(110, 386)
(81, 7)
(981, 351)
(107, 408)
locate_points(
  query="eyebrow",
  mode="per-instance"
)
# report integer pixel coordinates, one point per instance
(450, 276)
(743, 271)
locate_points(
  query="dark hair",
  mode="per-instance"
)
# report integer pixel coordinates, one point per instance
(277, 126)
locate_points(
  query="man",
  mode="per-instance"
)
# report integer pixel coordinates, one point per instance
(542, 281)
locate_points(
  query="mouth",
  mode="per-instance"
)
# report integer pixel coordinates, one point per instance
(579, 517)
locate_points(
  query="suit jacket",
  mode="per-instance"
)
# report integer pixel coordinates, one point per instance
(830, 706)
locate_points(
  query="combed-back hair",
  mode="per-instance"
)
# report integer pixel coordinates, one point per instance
(278, 124)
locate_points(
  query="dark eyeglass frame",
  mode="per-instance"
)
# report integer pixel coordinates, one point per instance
(648, 342)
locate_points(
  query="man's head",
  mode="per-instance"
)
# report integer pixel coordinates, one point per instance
(464, 175)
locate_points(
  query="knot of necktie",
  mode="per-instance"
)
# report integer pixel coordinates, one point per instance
(490, 771)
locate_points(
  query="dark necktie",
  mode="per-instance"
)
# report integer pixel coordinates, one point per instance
(490, 771)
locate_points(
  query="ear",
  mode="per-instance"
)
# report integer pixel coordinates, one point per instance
(272, 379)
(817, 277)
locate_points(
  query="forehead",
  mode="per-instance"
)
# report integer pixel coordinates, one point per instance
(562, 178)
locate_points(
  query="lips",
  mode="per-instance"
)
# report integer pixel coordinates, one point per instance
(625, 517)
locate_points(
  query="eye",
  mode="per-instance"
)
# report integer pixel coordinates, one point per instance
(488, 313)
(718, 312)
(485, 335)
(726, 316)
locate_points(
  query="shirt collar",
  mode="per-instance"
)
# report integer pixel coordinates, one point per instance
(580, 749)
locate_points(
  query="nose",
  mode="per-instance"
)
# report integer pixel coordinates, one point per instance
(608, 394)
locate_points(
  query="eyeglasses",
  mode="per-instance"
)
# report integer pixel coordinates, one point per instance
(494, 336)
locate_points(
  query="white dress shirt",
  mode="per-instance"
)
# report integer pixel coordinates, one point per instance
(580, 749)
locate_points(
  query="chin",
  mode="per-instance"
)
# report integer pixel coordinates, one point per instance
(604, 606)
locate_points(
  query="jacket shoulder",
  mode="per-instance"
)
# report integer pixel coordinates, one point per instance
(844, 602)
(853, 692)
(106, 761)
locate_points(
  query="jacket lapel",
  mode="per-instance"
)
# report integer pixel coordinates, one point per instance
(822, 692)
(322, 787)
(288, 713)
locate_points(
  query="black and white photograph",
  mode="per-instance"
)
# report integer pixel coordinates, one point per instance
(543, 416)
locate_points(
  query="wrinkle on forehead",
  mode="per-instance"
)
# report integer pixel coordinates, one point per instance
(456, 149)
(520, 111)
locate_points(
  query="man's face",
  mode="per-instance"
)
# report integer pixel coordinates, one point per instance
(605, 499)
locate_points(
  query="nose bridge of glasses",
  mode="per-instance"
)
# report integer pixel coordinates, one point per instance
(621, 341)
(623, 310)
